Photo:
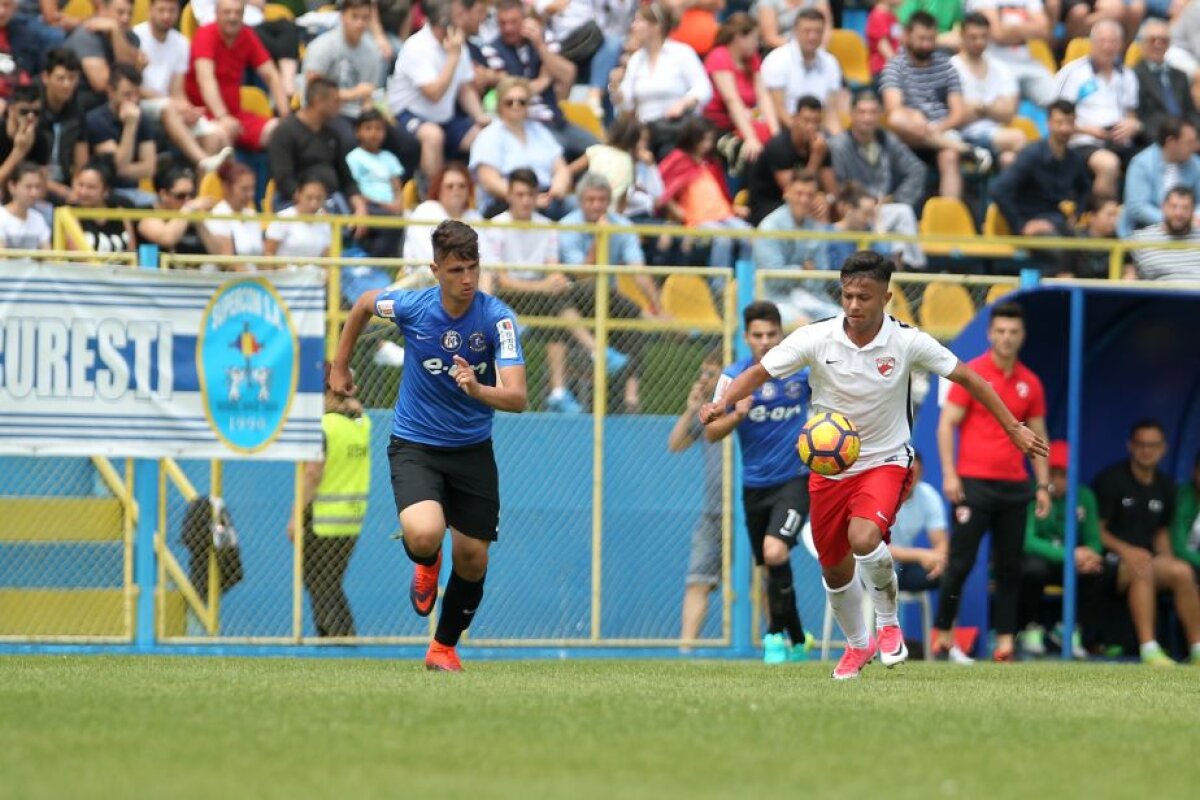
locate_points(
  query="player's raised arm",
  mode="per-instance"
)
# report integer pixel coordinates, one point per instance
(1025, 439)
(340, 379)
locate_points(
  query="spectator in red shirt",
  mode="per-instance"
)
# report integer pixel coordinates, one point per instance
(883, 34)
(740, 102)
(220, 54)
(989, 485)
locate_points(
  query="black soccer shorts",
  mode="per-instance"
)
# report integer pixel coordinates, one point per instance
(777, 511)
(463, 480)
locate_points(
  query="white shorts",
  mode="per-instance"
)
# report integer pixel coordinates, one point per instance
(153, 107)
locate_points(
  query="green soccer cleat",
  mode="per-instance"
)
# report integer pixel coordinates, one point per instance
(1157, 658)
(799, 652)
(775, 648)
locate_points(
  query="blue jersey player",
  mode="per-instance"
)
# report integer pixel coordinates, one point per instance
(774, 480)
(465, 363)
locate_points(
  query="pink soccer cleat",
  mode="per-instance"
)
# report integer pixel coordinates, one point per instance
(892, 650)
(853, 660)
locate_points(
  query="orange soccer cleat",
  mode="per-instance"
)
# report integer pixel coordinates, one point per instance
(440, 658)
(423, 591)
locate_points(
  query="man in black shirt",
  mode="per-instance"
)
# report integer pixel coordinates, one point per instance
(119, 130)
(306, 144)
(20, 138)
(801, 145)
(1136, 502)
(63, 121)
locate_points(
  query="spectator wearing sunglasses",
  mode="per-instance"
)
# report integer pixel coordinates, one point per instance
(175, 189)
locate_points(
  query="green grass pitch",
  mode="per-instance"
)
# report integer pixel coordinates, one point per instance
(117, 727)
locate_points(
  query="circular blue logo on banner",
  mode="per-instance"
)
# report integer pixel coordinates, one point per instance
(247, 357)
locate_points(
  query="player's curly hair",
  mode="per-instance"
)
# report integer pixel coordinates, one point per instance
(457, 239)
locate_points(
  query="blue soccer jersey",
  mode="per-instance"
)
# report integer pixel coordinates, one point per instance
(767, 436)
(430, 408)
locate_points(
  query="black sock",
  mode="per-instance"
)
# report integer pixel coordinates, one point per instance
(459, 604)
(424, 561)
(781, 598)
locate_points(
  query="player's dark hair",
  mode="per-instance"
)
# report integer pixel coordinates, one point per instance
(809, 102)
(121, 71)
(1146, 423)
(810, 14)
(456, 239)
(1062, 107)
(976, 20)
(1008, 310)
(921, 19)
(62, 57)
(761, 309)
(867, 264)
(523, 176)
(318, 87)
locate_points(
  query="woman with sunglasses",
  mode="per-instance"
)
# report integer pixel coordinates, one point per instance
(175, 187)
(514, 141)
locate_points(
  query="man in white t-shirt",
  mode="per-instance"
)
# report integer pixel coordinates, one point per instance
(989, 93)
(802, 67)
(163, 99)
(529, 292)
(860, 364)
(1105, 95)
(1013, 23)
(432, 80)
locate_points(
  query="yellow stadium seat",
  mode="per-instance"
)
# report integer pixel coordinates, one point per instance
(851, 52)
(255, 101)
(582, 116)
(410, 196)
(273, 12)
(1133, 54)
(1079, 47)
(210, 187)
(997, 291)
(1026, 126)
(141, 12)
(79, 9)
(994, 223)
(187, 22)
(269, 197)
(686, 298)
(945, 216)
(899, 307)
(946, 308)
(1040, 50)
(627, 285)
(742, 199)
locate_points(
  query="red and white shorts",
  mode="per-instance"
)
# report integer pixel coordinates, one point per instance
(875, 495)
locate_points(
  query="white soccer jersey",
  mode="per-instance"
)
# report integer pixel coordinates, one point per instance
(869, 385)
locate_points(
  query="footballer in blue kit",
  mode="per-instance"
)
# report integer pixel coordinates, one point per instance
(774, 479)
(464, 363)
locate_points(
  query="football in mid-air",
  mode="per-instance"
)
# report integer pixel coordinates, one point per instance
(829, 443)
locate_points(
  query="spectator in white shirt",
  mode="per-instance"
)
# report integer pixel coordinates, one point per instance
(1014, 23)
(433, 79)
(21, 226)
(163, 100)
(1105, 95)
(802, 67)
(989, 93)
(450, 195)
(664, 82)
(242, 237)
(301, 239)
(777, 19)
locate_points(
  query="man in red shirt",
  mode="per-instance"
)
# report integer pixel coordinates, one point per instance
(219, 57)
(989, 485)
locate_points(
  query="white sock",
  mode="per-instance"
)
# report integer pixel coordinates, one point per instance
(848, 611)
(1149, 648)
(879, 574)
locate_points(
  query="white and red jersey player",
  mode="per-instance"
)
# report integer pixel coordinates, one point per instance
(860, 363)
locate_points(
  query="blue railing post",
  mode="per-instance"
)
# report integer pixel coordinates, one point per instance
(743, 563)
(145, 493)
(1074, 419)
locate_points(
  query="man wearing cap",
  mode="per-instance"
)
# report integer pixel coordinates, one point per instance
(1045, 553)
